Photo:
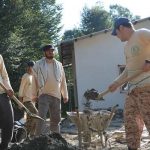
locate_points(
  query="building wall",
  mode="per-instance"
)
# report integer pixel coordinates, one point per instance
(96, 61)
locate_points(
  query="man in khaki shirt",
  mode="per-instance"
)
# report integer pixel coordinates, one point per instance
(27, 95)
(137, 104)
(51, 83)
(6, 111)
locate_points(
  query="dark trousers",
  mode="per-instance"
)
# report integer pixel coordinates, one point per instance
(6, 121)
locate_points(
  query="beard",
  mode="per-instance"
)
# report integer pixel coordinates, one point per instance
(49, 56)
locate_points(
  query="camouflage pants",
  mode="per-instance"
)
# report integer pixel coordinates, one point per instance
(31, 122)
(136, 114)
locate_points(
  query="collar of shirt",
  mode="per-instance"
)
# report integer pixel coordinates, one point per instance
(49, 60)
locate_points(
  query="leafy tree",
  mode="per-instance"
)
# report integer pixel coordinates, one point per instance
(25, 25)
(119, 11)
(70, 34)
(94, 19)
(6, 15)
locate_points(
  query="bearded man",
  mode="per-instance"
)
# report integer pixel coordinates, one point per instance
(51, 85)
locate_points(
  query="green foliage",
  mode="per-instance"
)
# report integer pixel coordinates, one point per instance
(94, 19)
(119, 11)
(25, 25)
(71, 34)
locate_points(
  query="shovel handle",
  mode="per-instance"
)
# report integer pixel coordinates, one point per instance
(100, 95)
(21, 105)
(14, 98)
(120, 83)
(2, 85)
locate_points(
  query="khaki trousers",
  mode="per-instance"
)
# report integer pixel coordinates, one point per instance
(47, 103)
(136, 114)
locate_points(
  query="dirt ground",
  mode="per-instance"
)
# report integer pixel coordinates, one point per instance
(115, 132)
(69, 135)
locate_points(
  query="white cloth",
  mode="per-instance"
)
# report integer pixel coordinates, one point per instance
(40, 69)
(50, 78)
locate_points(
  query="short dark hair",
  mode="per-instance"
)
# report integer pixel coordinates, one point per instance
(48, 46)
(30, 63)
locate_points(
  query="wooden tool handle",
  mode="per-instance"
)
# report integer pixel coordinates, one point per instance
(103, 93)
(14, 98)
(121, 83)
(21, 105)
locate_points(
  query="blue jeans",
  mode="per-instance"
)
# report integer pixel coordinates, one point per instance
(6, 121)
(53, 105)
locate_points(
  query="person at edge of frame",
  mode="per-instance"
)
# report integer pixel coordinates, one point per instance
(137, 104)
(6, 110)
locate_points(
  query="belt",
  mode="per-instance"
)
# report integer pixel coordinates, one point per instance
(140, 89)
(132, 86)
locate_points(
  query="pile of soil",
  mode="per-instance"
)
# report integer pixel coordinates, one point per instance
(52, 141)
